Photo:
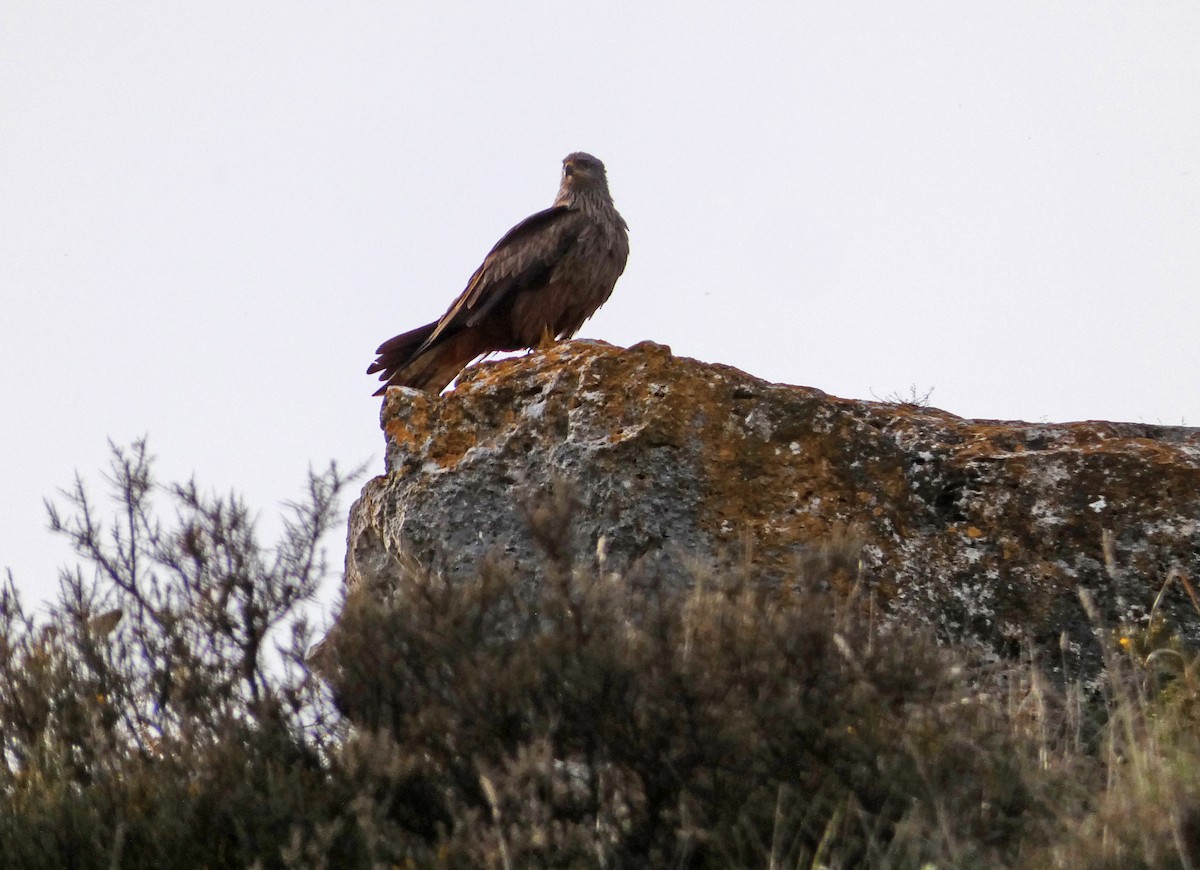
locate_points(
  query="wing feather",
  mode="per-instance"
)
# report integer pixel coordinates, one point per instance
(523, 258)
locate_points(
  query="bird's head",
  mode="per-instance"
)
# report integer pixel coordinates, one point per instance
(582, 173)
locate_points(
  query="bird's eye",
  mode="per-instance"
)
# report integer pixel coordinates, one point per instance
(568, 169)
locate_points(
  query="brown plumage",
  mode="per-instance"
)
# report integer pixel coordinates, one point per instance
(542, 280)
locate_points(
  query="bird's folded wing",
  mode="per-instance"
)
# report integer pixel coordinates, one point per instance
(523, 258)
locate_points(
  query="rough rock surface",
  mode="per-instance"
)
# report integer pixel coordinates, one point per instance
(986, 528)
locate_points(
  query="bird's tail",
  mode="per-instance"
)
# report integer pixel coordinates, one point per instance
(399, 350)
(402, 362)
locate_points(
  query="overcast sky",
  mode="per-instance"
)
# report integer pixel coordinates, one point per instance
(211, 213)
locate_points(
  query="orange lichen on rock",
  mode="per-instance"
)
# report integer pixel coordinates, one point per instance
(987, 527)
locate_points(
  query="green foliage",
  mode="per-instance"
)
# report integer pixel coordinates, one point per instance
(162, 713)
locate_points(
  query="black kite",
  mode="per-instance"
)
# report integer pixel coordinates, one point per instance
(541, 281)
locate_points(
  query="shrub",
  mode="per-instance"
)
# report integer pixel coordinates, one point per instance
(146, 720)
(162, 713)
(588, 722)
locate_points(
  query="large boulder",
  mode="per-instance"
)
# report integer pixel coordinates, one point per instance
(681, 469)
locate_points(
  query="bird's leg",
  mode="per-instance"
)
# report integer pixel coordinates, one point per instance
(547, 341)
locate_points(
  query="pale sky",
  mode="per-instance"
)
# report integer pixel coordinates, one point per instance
(211, 213)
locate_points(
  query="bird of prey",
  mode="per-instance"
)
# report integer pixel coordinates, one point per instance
(540, 282)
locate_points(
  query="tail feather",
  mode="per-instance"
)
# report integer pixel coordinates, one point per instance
(400, 349)
(403, 363)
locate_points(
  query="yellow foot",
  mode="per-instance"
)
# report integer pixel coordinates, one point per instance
(548, 340)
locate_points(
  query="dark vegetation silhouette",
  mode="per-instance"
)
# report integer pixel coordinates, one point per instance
(162, 713)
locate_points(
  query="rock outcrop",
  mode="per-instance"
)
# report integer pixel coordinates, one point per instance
(987, 529)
